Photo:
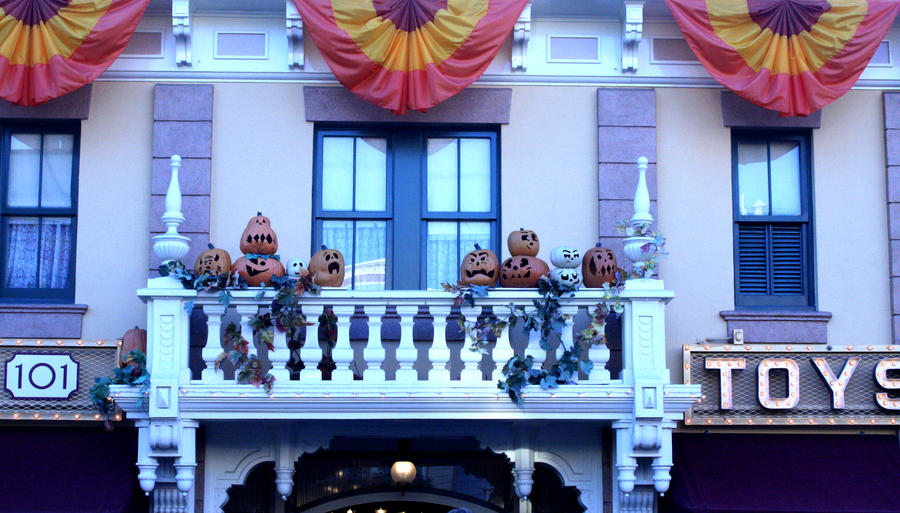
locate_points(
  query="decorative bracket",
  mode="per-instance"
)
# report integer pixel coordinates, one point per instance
(521, 35)
(294, 24)
(181, 29)
(632, 29)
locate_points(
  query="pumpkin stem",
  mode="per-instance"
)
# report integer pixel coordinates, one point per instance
(210, 244)
(477, 246)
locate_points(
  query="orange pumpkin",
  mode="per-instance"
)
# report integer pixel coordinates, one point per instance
(521, 271)
(327, 267)
(599, 266)
(258, 237)
(258, 270)
(134, 339)
(479, 267)
(523, 242)
(213, 262)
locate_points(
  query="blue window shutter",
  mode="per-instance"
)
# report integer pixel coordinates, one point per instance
(752, 256)
(787, 260)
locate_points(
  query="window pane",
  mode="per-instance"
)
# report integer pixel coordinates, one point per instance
(441, 255)
(56, 184)
(371, 165)
(472, 233)
(20, 268)
(56, 242)
(753, 180)
(368, 271)
(475, 175)
(339, 235)
(785, 178)
(337, 173)
(442, 165)
(24, 170)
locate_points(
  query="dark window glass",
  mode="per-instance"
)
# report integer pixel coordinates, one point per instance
(404, 205)
(773, 243)
(38, 191)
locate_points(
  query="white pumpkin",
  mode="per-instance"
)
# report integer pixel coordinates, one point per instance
(295, 268)
(566, 256)
(567, 276)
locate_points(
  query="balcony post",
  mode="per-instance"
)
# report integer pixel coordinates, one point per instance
(406, 351)
(470, 359)
(374, 353)
(311, 352)
(342, 352)
(213, 347)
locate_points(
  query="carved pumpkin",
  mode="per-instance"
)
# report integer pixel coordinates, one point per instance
(567, 276)
(258, 270)
(479, 267)
(213, 262)
(327, 267)
(599, 266)
(523, 242)
(522, 271)
(295, 268)
(134, 339)
(565, 257)
(258, 237)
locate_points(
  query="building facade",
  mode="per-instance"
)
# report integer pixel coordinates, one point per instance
(781, 234)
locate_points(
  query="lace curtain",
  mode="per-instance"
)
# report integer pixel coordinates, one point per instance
(38, 253)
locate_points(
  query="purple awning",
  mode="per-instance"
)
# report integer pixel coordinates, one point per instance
(775, 473)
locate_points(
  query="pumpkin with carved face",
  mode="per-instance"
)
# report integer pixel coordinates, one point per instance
(522, 271)
(565, 256)
(567, 276)
(213, 262)
(523, 242)
(479, 267)
(327, 267)
(295, 268)
(258, 270)
(599, 266)
(258, 237)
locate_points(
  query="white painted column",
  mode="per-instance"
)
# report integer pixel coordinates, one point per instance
(280, 357)
(311, 352)
(406, 351)
(146, 464)
(374, 353)
(342, 354)
(470, 359)
(246, 312)
(503, 351)
(186, 464)
(213, 347)
(439, 353)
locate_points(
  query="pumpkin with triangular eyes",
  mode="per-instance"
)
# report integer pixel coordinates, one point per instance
(523, 242)
(258, 270)
(479, 267)
(327, 267)
(522, 271)
(213, 262)
(599, 266)
(258, 237)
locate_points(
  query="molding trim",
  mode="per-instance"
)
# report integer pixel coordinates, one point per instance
(779, 326)
(482, 105)
(740, 113)
(521, 35)
(632, 31)
(294, 26)
(181, 30)
(41, 320)
(74, 105)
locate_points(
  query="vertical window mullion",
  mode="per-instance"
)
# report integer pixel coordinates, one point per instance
(353, 229)
(353, 181)
(458, 175)
(769, 172)
(41, 173)
(770, 264)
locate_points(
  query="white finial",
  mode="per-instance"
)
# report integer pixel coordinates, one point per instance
(642, 196)
(172, 245)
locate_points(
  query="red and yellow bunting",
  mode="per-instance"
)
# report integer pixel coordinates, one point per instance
(408, 54)
(792, 56)
(51, 47)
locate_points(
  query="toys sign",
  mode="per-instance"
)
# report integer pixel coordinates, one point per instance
(41, 376)
(804, 384)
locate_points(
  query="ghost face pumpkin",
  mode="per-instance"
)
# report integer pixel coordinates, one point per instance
(565, 256)
(522, 271)
(567, 277)
(258, 270)
(213, 262)
(327, 267)
(258, 237)
(296, 268)
(479, 267)
(523, 242)
(599, 266)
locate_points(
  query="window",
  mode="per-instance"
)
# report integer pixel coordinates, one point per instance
(405, 205)
(773, 222)
(38, 191)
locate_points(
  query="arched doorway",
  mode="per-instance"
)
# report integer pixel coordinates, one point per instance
(397, 502)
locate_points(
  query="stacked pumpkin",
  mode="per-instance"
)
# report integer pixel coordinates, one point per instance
(259, 244)
(523, 268)
(567, 260)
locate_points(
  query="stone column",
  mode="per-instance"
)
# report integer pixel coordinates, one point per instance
(892, 160)
(182, 125)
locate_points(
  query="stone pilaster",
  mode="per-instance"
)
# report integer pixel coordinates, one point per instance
(892, 160)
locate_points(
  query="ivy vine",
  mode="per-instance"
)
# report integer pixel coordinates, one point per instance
(133, 373)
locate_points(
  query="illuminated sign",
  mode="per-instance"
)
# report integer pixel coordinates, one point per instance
(41, 376)
(793, 384)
